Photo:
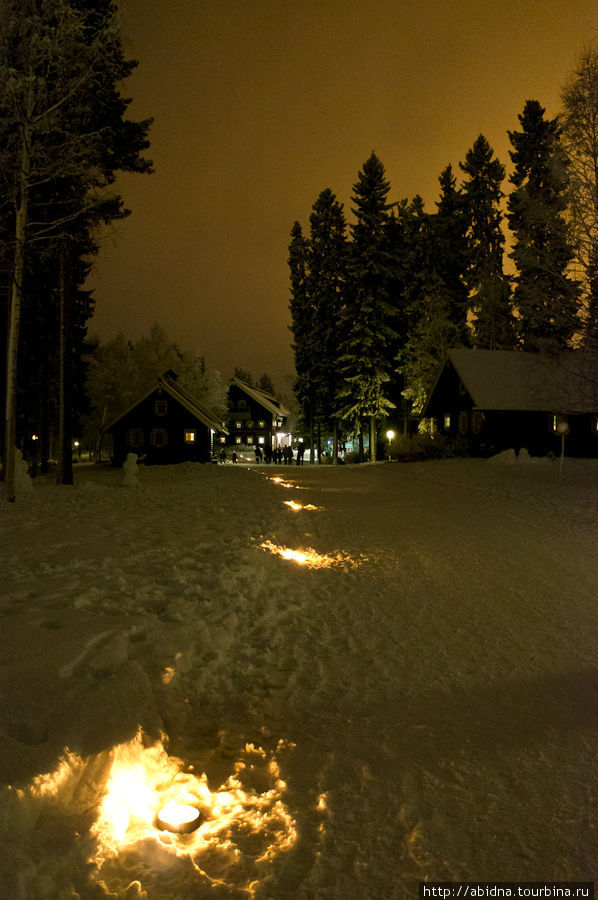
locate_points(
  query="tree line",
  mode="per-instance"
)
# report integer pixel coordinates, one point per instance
(376, 304)
(64, 137)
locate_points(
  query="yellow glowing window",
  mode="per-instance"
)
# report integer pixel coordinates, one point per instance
(250, 439)
(223, 440)
(238, 440)
(190, 436)
(447, 421)
(261, 424)
(238, 424)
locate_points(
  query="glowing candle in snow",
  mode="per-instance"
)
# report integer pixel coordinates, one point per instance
(178, 817)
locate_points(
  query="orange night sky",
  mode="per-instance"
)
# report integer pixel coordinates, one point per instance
(261, 104)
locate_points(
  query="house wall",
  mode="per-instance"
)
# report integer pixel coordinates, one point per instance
(160, 437)
(490, 431)
(245, 418)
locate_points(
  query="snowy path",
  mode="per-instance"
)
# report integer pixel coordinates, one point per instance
(431, 698)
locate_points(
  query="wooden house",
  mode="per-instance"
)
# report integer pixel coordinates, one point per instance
(165, 425)
(498, 399)
(255, 418)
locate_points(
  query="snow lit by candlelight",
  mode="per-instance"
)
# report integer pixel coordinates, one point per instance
(310, 558)
(277, 479)
(240, 827)
(298, 506)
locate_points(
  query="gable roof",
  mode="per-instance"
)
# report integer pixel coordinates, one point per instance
(262, 397)
(565, 382)
(168, 383)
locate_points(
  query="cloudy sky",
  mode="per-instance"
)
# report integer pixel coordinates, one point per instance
(261, 104)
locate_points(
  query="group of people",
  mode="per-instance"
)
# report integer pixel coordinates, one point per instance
(276, 455)
(280, 455)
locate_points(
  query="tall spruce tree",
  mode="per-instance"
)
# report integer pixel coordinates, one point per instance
(301, 326)
(327, 280)
(438, 292)
(545, 297)
(366, 361)
(488, 286)
(579, 122)
(449, 243)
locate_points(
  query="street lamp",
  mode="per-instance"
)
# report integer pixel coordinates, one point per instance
(389, 436)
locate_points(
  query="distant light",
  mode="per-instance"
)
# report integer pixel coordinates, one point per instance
(390, 434)
(34, 437)
(76, 443)
(179, 818)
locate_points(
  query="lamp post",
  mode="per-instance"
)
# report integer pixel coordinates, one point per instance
(389, 436)
(562, 428)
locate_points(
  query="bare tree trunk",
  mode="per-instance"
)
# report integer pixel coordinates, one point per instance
(373, 439)
(14, 325)
(335, 442)
(64, 473)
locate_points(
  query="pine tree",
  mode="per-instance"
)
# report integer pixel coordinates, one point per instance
(449, 248)
(265, 384)
(366, 361)
(327, 278)
(63, 138)
(579, 122)
(301, 309)
(438, 295)
(488, 286)
(545, 297)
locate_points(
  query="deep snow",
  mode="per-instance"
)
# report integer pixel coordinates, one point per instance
(415, 698)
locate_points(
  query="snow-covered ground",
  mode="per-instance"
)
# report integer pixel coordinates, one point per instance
(414, 697)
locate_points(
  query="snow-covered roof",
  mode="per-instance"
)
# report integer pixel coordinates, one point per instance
(513, 380)
(169, 384)
(266, 400)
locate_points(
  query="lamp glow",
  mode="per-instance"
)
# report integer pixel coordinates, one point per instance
(181, 818)
(390, 434)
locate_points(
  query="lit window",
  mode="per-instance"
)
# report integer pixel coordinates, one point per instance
(594, 424)
(158, 437)
(261, 423)
(134, 437)
(250, 424)
(261, 439)
(161, 407)
(447, 421)
(560, 424)
(238, 424)
(238, 439)
(250, 439)
(222, 439)
(190, 436)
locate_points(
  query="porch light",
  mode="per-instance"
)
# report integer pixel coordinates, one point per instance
(180, 818)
